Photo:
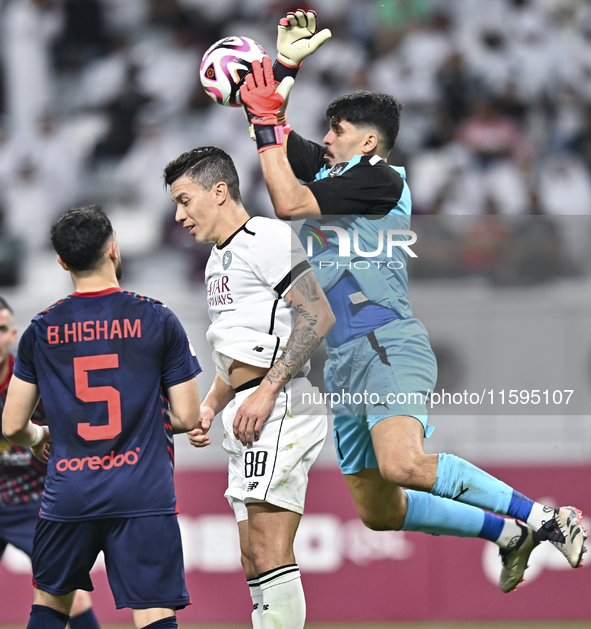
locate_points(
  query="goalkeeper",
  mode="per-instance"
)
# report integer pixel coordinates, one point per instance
(376, 347)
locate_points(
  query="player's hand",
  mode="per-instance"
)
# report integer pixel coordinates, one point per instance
(258, 94)
(198, 437)
(297, 37)
(252, 414)
(43, 449)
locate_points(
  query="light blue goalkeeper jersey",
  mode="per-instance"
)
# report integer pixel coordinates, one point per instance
(381, 272)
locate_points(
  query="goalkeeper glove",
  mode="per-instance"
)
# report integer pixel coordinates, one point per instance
(261, 102)
(296, 39)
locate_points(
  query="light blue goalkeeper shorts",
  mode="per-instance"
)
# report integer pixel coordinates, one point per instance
(388, 372)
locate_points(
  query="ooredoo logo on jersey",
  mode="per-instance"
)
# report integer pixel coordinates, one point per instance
(131, 457)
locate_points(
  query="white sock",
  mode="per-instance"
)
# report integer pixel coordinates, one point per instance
(539, 514)
(510, 535)
(257, 603)
(284, 605)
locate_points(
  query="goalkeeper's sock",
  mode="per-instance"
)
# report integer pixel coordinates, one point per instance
(43, 617)
(538, 515)
(459, 480)
(85, 620)
(284, 604)
(257, 603)
(440, 516)
(510, 534)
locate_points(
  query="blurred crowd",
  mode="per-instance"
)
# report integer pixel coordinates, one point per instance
(96, 96)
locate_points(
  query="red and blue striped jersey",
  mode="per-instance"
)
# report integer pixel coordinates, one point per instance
(101, 361)
(22, 475)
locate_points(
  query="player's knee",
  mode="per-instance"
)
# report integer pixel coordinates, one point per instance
(268, 555)
(402, 472)
(259, 555)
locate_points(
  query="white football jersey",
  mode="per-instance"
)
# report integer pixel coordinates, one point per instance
(246, 278)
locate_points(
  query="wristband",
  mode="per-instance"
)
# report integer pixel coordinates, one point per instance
(268, 136)
(39, 437)
(280, 71)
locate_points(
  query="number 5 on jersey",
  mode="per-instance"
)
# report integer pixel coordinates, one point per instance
(110, 395)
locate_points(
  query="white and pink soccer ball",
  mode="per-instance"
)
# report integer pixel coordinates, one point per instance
(224, 66)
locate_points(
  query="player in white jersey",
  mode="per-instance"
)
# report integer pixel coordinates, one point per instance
(268, 315)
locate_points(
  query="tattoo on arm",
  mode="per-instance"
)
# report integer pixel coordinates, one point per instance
(304, 339)
(308, 288)
(301, 345)
(302, 312)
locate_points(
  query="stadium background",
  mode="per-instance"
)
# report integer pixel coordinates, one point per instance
(97, 95)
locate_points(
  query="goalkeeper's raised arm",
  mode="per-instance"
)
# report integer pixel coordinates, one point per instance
(297, 38)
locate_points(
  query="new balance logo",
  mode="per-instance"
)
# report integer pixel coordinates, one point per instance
(252, 486)
(258, 348)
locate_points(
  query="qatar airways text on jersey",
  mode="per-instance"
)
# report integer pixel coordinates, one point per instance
(218, 292)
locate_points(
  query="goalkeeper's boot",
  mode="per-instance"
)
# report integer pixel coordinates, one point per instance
(515, 559)
(565, 530)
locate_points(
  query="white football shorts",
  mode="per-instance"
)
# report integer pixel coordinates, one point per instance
(275, 469)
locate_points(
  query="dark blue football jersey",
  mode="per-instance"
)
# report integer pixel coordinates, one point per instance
(102, 362)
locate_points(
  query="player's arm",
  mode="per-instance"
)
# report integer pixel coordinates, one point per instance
(289, 196)
(261, 101)
(183, 400)
(297, 38)
(314, 320)
(218, 396)
(21, 401)
(179, 369)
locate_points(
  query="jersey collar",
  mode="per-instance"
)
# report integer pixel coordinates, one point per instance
(98, 293)
(229, 240)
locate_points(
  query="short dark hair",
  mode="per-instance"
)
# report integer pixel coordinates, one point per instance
(4, 305)
(79, 237)
(206, 165)
(375, 109)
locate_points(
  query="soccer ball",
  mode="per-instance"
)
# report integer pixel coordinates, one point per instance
(224, 66)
